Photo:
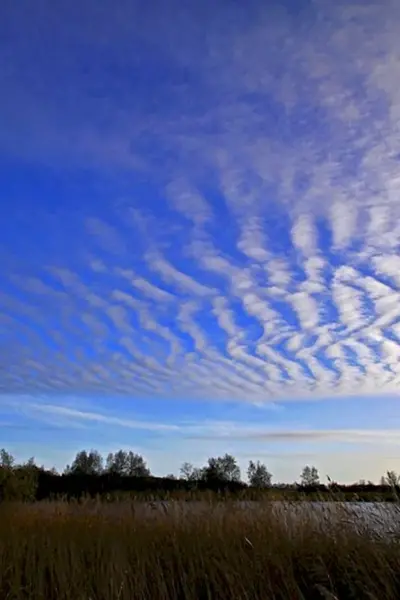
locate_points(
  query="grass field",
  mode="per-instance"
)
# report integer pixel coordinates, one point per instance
(93, 551)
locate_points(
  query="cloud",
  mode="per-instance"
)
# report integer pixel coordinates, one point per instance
(251, 241)
(83, 416)
(343, 223)
(106, 235)
(306, 308)
(349, 304)
(68, 416)
(188, 201)
(256, 434)
(188, 324)
(303, 234)
(388, 266)
(171, 274)
(243, 235)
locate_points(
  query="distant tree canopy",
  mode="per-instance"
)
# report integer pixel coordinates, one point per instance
(392, 478)
(258, 475)
(86, 463)
(17, 482)
(127, 464)
(124, 471)
(190, 473)
(6, 459)
(222, 468)
(122, 463)
(309, 476)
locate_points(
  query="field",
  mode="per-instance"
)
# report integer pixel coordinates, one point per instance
(128, 550)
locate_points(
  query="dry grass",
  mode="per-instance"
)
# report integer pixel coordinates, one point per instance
(92, 551)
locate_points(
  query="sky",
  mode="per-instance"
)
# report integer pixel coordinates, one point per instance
(199, 232)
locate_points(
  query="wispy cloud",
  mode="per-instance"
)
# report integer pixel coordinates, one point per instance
(70, 416)
(348, 436)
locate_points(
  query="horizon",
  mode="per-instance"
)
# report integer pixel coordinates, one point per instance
(201, 233)
(188, 472)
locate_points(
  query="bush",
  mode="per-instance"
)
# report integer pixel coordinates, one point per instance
(18, 483)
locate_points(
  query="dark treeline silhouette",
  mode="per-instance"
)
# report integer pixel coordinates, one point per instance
(126, 473)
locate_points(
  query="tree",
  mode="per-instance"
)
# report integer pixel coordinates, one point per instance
(258, 475)
(222, 468)
(137, 466)
(127, 464)
(17, 482)
(392, 478)
(86, 463)
(31, 463)
(117, 462)
(309, 476)
(6, 459)
(186, 471)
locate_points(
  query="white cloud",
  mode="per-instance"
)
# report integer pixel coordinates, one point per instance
(251, 241)
(278, 272)
(183, 281)
(388, 266)
(146, 287)
(187, 324)
(107, 236)
(273, 206)
(225, 317)
(304, 234)
(188, 201)
(306, 308)
(127, 299)
(349, 305)
(343, 222)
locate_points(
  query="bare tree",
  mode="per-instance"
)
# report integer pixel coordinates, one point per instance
(187, 471)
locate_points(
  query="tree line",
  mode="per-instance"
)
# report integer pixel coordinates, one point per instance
(127, 471)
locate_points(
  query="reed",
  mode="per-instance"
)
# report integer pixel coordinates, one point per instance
(132, 551)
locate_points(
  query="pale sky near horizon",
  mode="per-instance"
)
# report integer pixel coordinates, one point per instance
(200, 238)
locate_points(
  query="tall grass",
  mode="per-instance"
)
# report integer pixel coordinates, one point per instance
(93, 551)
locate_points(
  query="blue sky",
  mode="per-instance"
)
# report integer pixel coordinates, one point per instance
(199, 246)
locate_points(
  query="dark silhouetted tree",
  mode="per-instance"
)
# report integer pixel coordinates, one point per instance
(222, 468)
(17, 482)
(6, 459)
(117, 462)
(126, 464)
(258, 475)
(186, 471)
(309, 476)
(86, 463)
(136, 466)
(392, 478)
